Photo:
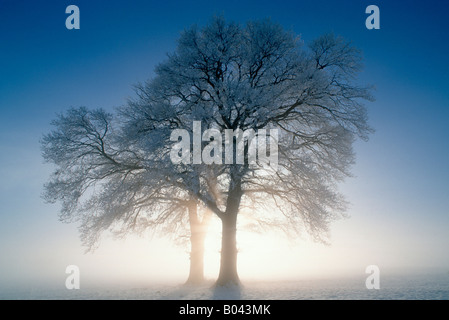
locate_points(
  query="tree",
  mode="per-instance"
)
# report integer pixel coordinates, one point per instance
(257, 77)
(227, 77)
(105, 184)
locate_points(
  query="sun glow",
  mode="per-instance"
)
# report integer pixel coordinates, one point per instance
(263, 255)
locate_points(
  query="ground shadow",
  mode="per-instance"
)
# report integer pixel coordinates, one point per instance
(231, 292)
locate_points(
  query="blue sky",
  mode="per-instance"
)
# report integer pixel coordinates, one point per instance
(399, 195)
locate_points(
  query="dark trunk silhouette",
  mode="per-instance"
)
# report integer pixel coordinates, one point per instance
(228, 264)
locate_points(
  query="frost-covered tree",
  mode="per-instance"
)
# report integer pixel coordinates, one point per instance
(259, 76)
(228, 77)
(106, 183)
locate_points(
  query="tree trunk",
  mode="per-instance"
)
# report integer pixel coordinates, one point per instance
(198, 231)
(196, 274)
(228, 265)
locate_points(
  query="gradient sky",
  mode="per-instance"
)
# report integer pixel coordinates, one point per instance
(399, 195)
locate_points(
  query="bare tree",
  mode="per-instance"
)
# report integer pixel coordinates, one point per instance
(228, 77)
(256, 77)
(106, 184)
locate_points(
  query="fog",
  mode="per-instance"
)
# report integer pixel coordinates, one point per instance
(145, 262)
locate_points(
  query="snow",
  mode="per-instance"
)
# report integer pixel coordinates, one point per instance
(410, 287)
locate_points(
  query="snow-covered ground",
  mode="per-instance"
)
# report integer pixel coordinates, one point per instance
(430, 286)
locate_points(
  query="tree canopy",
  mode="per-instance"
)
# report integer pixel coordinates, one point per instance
(227, 77)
